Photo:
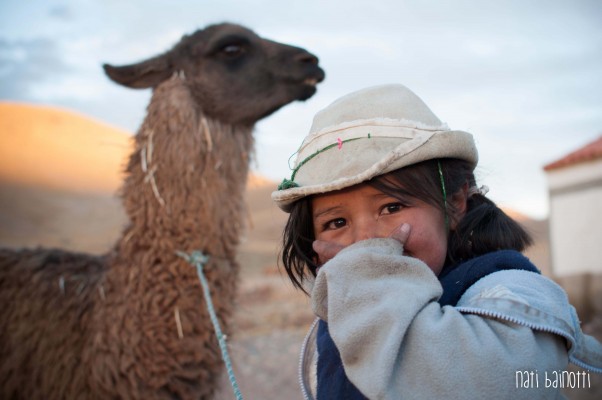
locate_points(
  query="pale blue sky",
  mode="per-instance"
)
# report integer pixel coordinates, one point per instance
(525, 77)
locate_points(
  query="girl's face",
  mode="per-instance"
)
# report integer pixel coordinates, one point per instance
(363, 212)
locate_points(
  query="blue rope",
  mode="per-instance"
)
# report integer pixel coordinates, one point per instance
(199, 259)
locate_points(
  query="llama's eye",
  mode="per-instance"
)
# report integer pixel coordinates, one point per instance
(232, 50)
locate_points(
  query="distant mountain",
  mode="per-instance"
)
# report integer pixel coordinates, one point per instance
(59, 174)
(58, 148)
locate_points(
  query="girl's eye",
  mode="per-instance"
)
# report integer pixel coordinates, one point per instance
(392, 208)
(335, 224)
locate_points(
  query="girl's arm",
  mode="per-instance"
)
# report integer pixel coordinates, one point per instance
(396, 341)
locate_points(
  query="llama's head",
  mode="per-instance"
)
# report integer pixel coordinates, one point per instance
(234, 75)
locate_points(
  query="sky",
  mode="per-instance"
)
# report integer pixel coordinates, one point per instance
(524, 77)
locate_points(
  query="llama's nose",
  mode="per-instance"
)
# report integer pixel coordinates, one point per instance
(306, 58)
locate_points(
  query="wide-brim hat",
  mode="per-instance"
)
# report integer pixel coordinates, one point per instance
(369, 133)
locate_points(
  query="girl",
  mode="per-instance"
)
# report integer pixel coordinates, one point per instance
(416, 277)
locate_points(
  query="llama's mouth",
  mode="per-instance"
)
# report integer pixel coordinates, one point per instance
(311, 81)
(303, 87)
(313, 77)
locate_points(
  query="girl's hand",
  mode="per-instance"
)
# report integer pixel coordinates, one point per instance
(327, 250)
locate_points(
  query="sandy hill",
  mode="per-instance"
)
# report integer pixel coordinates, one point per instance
(60, 149)
(59, 172)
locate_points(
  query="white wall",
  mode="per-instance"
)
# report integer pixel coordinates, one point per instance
(576, 218)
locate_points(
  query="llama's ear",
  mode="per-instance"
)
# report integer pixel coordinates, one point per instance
(145, 74)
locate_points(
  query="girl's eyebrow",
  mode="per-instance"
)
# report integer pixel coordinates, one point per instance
(386, 196)
(320, 213)
(381, 195)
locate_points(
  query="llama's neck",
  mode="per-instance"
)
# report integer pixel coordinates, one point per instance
(186, 179)
(184, 191)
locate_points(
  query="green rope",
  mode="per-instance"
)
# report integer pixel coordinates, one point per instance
(444, 195)
(290, 183)
(287, 184)
(198, 259)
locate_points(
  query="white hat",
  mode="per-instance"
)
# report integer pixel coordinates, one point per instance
(369, 133)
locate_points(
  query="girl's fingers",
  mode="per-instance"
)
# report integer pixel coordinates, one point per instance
(326, 250)
(402, 233)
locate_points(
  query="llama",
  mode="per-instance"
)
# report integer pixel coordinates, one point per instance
(133, 323)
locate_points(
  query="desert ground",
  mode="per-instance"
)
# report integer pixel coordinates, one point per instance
(59, 188)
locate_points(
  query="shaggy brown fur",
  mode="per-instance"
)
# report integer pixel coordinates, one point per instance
(133, 324)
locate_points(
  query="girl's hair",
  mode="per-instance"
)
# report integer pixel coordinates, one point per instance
(483, 228)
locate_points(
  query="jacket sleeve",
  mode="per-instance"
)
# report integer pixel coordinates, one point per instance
(396, 341)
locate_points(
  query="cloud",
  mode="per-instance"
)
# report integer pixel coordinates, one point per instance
(43, 71)
(61, 12)
(27, 64)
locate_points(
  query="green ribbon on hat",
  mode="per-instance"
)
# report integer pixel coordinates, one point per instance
(290, 183)
(287, 184)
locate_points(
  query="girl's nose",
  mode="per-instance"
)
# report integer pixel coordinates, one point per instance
(368, 229)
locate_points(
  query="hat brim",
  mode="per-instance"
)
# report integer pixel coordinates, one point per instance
(342, 167)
